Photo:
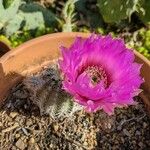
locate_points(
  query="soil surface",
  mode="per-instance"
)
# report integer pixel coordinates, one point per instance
(23, 128)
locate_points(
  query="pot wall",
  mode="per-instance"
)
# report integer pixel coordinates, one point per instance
(15, 64)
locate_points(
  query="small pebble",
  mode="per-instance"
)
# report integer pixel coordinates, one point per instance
(56, 127)
(85, 144)
(144, 124)
(137, 133)
(13, 114)
(1, 124)
(51, 145)
(20, 144)
(25, 131)
(32, 140)
(140, 144)
(17, 135)
(126, 132)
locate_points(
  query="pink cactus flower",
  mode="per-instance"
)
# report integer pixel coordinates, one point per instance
(100, 73)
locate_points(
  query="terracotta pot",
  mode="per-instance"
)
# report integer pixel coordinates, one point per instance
(4, 48)
(29, 56)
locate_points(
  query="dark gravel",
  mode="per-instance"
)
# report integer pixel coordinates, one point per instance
(22, 127)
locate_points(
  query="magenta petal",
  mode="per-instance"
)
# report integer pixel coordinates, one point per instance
(109, 108)
(123, 74)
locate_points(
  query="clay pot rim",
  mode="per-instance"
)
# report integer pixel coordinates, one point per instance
(53, 36)
(40, 39)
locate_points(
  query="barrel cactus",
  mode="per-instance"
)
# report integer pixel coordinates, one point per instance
(47, 94)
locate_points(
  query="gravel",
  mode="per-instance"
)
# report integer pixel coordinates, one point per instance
(23, 128)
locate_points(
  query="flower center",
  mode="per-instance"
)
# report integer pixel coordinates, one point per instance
(97, 74)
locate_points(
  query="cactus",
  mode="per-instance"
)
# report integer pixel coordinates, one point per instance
(8, 14)
(7, 3)
(68, 15)
(145, 17)
(48, 95)
(22, 15)
(10, 21)
(33, 8)
(89, 14)
(116, 10)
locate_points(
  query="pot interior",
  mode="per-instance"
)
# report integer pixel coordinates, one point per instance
(30, 56)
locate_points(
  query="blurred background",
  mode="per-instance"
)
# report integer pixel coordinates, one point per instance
(22, 20)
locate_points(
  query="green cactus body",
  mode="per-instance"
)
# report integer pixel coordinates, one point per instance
(145, 17)
(116, 10)
(7, 3)
(68, 15)
(8, 14)
(22, 15)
